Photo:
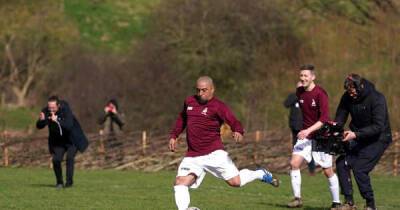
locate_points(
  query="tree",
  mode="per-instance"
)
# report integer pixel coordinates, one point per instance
(32, 36)
(233, 41)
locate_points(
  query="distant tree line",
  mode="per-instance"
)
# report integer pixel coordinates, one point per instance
(251, 48)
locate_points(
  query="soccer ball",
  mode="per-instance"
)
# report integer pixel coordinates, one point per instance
(192, 208)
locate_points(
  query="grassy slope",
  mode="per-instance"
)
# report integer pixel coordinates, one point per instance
(16, 118)
(33, 189)
(110, 24)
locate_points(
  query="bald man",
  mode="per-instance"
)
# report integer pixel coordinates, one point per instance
(202, 116)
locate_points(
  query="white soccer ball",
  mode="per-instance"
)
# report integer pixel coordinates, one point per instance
(192, 208)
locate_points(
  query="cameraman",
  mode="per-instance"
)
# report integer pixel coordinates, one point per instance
(367, 139)
(65, 136)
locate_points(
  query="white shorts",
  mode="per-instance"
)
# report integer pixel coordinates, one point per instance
(304, 148)
(218, 163)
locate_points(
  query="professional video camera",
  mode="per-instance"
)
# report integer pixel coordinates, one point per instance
(329, 138)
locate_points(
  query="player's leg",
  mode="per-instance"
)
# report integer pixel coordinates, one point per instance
(246, 176)
(295, 177)
(325, 161)
(311, 167)
(181, 188)
(301, 152)
(221, 165)
(188, 174)
(333, 186)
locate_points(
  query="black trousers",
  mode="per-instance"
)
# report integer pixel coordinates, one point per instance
(58, 156)
(360, 162)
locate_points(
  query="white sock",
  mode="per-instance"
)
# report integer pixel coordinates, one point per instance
(182, 197)
(334, 188)
(295, 176)
(247, 176)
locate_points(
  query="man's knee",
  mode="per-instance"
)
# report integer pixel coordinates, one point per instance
(185, 180)
(234, 182)
(295, 163)
(362, 167)
(294, 166)
(361, 175)
(57, 159)
(70, 161)
(328, 172)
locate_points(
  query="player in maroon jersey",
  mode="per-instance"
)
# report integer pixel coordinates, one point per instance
(314, 106)
(202, 116)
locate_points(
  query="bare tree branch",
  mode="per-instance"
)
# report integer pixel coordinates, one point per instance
(14, 71)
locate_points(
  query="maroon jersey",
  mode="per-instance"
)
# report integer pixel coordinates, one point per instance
(314, 105)
(203, 123)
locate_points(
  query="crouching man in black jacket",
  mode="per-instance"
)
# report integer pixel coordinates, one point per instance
(368, 137)
(65, 136)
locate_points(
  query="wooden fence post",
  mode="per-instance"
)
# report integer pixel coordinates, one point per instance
(50, 162)
(101, 140)
(144, 142)
(257, 140)
(396, 154)
(5, 155)
(258, 136)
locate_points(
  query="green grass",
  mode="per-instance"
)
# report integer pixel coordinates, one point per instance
(16, 118)
(110, 24)
(33, 189)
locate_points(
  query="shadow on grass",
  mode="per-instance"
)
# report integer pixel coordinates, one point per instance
(44, 185)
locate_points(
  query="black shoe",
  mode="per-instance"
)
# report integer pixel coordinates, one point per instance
(68, 185)
(59, 186)
(335, 206)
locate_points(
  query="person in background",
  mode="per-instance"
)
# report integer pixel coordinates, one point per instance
(111, 122)
(65, 136)
(111, 119)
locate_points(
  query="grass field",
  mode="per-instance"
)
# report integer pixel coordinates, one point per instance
(33, 189)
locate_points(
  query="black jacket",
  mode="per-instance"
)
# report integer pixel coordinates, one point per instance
(295, 115)
(369, 115)
(67, 131)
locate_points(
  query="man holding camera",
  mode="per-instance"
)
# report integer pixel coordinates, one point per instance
(111, 117)
(367, 139)
(111, 122)
(65, 136)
